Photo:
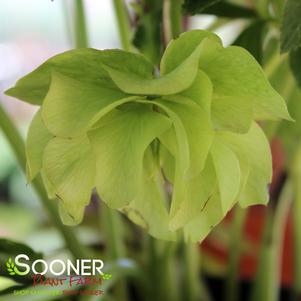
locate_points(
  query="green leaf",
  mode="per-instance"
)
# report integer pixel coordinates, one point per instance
(119, 144)
(37, 138)
(291, 26)
(227, 172)
(84, 65)
(68, 99)
(295, 64)
(218, 8)
(251, 39)
(70, 168)
(253, 150)
(149, 208)
(179, 79)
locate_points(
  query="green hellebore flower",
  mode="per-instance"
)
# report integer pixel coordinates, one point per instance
(106, 121)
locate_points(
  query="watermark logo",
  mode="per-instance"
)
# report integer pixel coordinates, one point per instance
(12, 269)
(71, 276)
(22, 266)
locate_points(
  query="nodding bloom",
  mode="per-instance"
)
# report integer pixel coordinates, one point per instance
(107, 122)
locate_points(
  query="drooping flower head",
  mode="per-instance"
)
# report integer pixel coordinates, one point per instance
(108, 121)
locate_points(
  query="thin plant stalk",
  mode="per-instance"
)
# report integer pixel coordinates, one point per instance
(190, 276)
(236, 233)
(80, 29)
(115, 250)
(172, 19)
(193, 288)
(162, 267)
(17, 144)
(296, 180)
(123, 22)
(176, 18)
(267, 282)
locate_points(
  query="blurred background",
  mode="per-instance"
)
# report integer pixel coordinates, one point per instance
(32, 31)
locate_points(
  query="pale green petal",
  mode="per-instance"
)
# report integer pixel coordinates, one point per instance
(174, 82)
(69, 167)
(235, 73)
(212, 214)
(149, 208)
(167, 163)
(198, 191)
(71, 214)
(37, 138)
(200, 91)
(72, 106)
(191, 124)
(84, 65)
(176, 142)
(182, 47)
(253, 150)
(50, 189)
(119, 145)
(199, 132)
(175, 139)
(232, 113)
(227, 172)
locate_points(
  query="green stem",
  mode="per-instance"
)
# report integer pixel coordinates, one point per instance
(14, 138)
(172, 19)
(80, 30)
(162, 270)
(123, 24)
(176, 18)
(236, 233)
(267, 282)
(112, 225)
(191, 279)
(115, 247)
(263, 8)
(296, 180)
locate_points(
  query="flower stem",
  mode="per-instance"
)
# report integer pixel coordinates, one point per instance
(17, 144)
(176, 17)
(236, 231)
(115, 247)
(267, 281)
(172, 19)
(296, 179)
(123, 24)
(191, 279)
(80, 30)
